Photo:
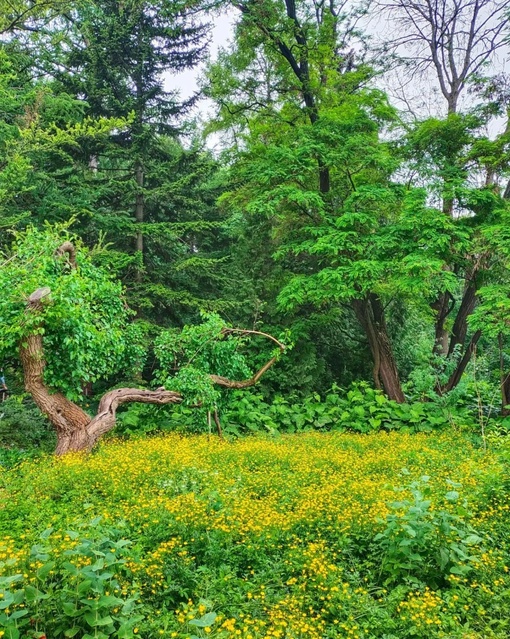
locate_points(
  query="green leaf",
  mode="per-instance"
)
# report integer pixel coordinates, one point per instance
(84, 586)
(205, 621)
(45, 570)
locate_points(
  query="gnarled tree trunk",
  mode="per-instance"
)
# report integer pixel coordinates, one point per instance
(75, 429)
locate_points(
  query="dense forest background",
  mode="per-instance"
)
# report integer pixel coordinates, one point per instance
(358, 207)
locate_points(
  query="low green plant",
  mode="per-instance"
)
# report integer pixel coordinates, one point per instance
(423, 546)
(360, 409)
(87, 591)
(23, 429)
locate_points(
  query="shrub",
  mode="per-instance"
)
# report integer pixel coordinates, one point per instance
(361, 409)
(84, 591)
(422, 546)
(23, 429)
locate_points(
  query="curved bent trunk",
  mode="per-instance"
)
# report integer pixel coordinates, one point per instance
(68, 419)
(78, 431)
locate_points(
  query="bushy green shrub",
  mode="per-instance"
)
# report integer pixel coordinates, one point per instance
(85, 592)
(361, 409)
(23, 429)
(423, 546)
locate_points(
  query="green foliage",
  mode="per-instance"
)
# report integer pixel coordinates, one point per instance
(41, 134)
(412, 215)
(423, 546)
(360, 409)
(85, 322)
(23, 429)
(195, 353)
(84, 593)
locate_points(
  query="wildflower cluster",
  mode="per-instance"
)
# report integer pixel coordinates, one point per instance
(295, 537)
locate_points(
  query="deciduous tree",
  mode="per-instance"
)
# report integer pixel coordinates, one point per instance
(76, 328)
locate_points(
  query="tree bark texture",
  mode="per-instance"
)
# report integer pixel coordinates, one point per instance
(505, 395)
(75, 429)
(442, 306)
(504, 378)
(456, 376)
(460, 325)
(139, 213)
(448, 342)
(370, 315)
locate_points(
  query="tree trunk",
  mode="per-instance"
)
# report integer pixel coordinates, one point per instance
(370, 314)
(456, 376)
(504, 381)
(139, 213)
(75, 429)
(69, 420)
(505, 395)
(442, 306)
(467, 306)
(446, 344)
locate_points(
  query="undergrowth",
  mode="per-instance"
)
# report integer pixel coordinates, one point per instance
(311, 536)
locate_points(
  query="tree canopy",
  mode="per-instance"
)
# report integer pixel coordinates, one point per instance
(373, 234)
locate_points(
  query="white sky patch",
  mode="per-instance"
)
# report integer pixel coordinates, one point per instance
(186, 82)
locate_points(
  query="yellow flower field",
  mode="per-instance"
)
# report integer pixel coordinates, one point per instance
(259, 538)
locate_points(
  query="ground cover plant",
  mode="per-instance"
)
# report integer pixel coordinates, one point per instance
(385, 535)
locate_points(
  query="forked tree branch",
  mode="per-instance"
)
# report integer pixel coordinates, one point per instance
(76, 430)
(229, 383)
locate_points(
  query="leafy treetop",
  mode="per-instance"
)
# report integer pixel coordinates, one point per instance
(87, 333)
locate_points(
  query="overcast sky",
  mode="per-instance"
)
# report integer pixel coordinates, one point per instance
(221, 33)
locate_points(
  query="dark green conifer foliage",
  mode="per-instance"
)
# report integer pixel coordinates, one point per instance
(115, 57)
(137, 188)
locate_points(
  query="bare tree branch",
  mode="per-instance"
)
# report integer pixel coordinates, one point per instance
(456, 37)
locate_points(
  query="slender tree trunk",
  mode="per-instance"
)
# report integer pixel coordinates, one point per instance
(218, 423)
(137, 133)
(456, 376)
(504, 381)
(460, 325)
(505, 395)
(139, 212)
(442, 307)
(370, 314)
(324, 178)
(445, 343)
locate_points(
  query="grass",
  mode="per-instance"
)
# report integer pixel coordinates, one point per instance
(301, 536)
